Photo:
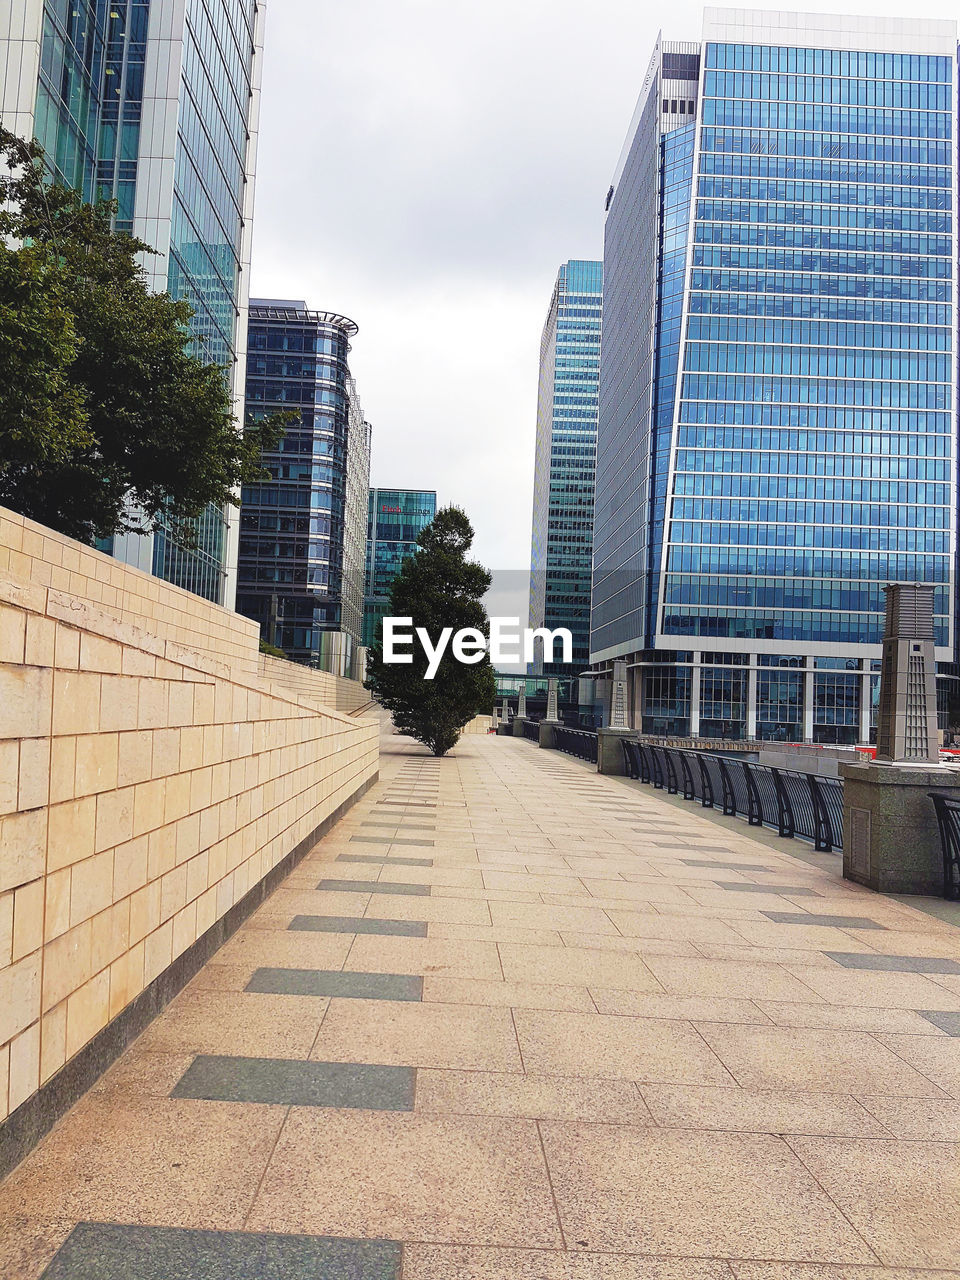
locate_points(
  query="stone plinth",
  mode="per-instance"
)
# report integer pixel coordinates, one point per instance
(890, 837)
(610, 751)
(548, 733)
(517, 726)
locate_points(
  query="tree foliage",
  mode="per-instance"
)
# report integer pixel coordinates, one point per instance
(104, 406)
(437, 587)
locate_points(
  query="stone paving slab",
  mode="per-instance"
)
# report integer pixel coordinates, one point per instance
(106, 1251)
(895, 964)
(318, 982)
(279, 1082)
(379, 861)
(598, 1034)
(356, 924)
(380, 886)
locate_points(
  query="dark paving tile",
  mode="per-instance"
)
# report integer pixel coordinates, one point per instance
(725, 866)
(797, 890)
(375, 886)
(358, 924)
(945, 1019)
(424, 844)
(704, 848)
(402, 824)
(894, 964)
(284, 1082)
(383, 860)
(334, 982)
(835, 922)
(104, 1251)
(407, 804)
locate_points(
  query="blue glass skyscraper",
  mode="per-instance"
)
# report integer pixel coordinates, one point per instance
(562, 537)
(155, 103)
(777, 427)
(395, 520)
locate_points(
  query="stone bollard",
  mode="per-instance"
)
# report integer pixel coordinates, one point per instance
(891, 842)
(610, 751)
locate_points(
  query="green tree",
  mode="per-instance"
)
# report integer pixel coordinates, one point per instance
(437, 587)
(104, 405)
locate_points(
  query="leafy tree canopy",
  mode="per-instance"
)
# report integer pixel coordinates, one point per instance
(437, 587)
(104, 407)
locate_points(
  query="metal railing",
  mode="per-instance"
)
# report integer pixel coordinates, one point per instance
(531, 730)
(576, 742)
(948, 820)
(794, 804)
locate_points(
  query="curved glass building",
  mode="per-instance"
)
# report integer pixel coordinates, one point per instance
(303, 531)
(777, 425)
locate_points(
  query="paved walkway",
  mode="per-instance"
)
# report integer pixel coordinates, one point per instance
(513, 1021)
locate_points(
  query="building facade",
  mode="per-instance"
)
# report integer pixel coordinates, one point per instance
(561, 543)
(777, 426)
(155, 103)
(303, 531)
(394, 522)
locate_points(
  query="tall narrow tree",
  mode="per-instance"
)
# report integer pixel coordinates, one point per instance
(437, 587)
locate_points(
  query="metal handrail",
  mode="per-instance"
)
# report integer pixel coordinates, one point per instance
(576, 742)
(948, 820)
(792, 803)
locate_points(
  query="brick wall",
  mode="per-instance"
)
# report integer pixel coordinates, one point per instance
(152, 770)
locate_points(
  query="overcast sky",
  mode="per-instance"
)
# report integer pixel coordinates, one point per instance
(424, 167)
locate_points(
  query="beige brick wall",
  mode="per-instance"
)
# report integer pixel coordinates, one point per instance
(479, 724)
(152, 770)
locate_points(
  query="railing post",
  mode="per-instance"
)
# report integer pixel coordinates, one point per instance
(755, 812)
(784, 807)
(729, 795)
(821, 819)
(707, 797)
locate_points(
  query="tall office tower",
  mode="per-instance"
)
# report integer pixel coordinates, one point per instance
(777, 430)
(303, 532)
(155, 103)
(394, 522)
(562, 538)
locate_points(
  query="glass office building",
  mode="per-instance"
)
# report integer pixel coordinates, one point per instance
(303, 531)
(777, 426)
(155, 105)
(394, 521)
(562, 537)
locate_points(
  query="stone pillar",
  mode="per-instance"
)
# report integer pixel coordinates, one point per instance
(553, 713)
(752, 697)
(618, 697)
(865, 701)
(504, 726)
(549, 725)
(521, 712)
(695, 697)
(808, 679)
(890, 838)
(907, 723)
